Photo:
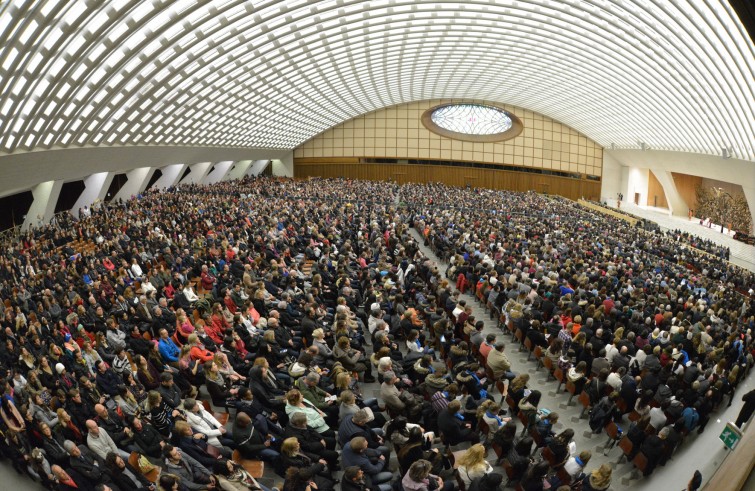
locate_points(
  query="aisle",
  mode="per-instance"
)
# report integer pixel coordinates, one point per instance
(703, 452)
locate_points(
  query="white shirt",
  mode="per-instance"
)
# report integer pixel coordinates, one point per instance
(208, 426)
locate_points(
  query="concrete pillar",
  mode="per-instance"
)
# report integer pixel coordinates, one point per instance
(238, 170)
(137, 180)
(284, 166)
(94, 192)
(219, 172)
(198, 173)
(750, 196)
(258, 167)
(43, 207)
(677, 205)
(170, 176)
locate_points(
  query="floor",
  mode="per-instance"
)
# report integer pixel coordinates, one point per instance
(742, 254)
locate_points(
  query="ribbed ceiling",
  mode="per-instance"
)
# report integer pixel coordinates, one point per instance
(665, 75)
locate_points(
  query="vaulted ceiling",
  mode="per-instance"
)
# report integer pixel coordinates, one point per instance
(271, 74)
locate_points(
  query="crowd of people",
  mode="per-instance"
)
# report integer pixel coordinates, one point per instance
(278, 300)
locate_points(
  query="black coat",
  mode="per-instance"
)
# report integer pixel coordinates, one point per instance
(452, 428)
(125, 483)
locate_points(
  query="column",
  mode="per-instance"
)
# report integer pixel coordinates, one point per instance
(43, 207)
(170, 176)
(284, 166)
(258, 167)
(677, 205)
(198, 173)
(219, 172)
(94, 192)
(135, 184)
(238, 170)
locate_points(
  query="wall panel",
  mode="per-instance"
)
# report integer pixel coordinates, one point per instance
(656, 194)
(687, 186)
(454, 176)
(397, 132)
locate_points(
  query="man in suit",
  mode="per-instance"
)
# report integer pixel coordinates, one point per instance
(70, 480)
(86, 463)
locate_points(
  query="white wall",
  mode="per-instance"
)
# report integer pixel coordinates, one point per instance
(218, 173)
(284, 166)
(23, 170)
(613, 180)
(637, 182)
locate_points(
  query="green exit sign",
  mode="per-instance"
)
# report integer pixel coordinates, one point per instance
(730, 435)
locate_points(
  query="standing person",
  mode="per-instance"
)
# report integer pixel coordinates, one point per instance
(746, 413)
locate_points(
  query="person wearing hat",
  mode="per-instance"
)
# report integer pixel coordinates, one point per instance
(67, 382)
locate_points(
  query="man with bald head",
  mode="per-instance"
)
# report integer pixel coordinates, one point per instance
(100, 442)
(111, 422)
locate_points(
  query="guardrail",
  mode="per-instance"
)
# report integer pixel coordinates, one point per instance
(608, 211)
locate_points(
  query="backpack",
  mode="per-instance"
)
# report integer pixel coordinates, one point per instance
(600, 414)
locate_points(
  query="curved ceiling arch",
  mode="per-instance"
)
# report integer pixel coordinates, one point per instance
(232, 73)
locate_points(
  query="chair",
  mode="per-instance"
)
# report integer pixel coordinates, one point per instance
(539, 357)
(221, 417)
(529, 346)
(572, 389)
(151, 476)
(510, 402)
(510, 473)
(634, 416)
(559, 375)
(613, 436)
(255, 468)
(563, 476)
(621, 404)
(640, 462)
(550, 457)
(626, 445)
(519, 335)
(584, 399)
(537, 437)
(500, 386)
(498, 452)
(483, 427)
(489, 373)
(548, 364)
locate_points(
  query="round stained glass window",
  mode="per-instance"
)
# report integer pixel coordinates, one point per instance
(472, 119)
(472, 122)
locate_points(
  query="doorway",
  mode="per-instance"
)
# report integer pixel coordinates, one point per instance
(637, 199)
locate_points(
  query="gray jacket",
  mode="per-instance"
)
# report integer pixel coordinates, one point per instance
(190, 471)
